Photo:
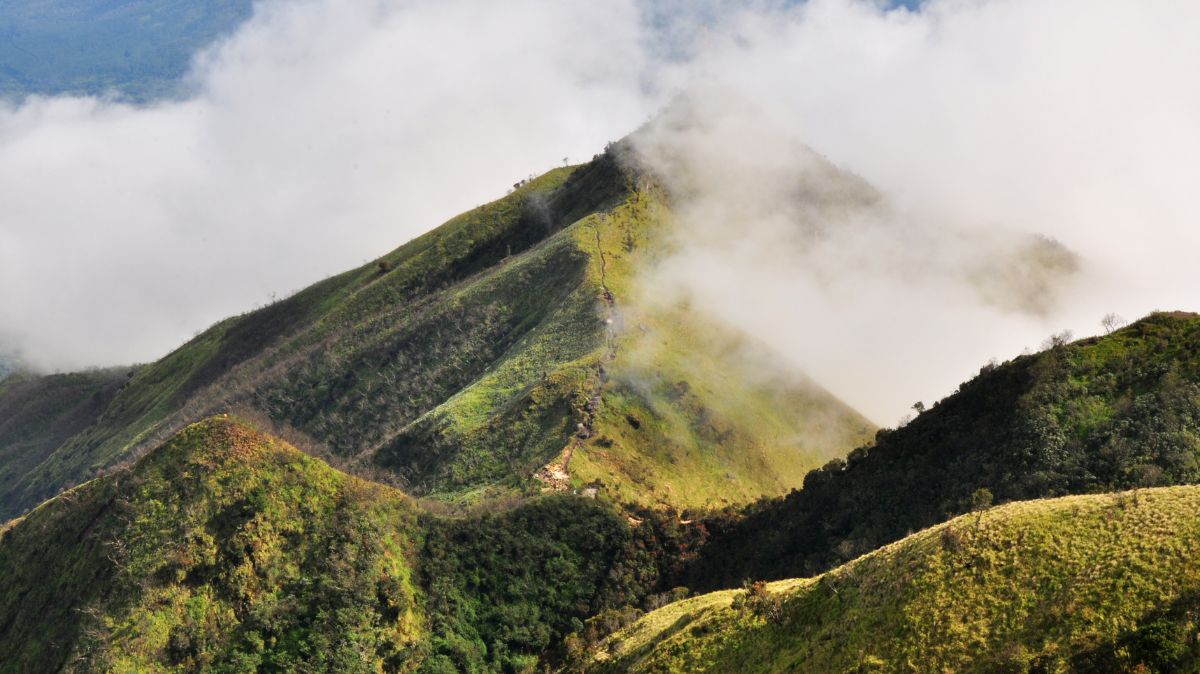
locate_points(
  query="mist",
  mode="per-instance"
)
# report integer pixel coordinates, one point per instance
(320, 135)
(1005, 170)
(888, 198)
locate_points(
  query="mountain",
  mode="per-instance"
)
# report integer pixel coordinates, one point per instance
(506, 344)
(138, 50)
(1101, 583)
(1102, 414)
(227, 549)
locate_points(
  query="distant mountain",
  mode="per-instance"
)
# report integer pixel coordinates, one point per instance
(1101, 414)
(39, 413)
(138, 49)
(502, 352)
(1102, 583)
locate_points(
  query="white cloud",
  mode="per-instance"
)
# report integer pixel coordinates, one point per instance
(982, 122)
(325, 133)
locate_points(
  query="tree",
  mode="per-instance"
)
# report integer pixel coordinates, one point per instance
(1111, 322)
(981, 500)
(1056, 340)
(918, 407)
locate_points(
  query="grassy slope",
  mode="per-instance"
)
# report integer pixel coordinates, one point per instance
(252, 359)
(1083, 583)
(1097, 415)
(223, 548)
(468, 357)
(686, 416)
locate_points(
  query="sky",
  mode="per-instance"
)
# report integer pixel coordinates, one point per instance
(1032, 165)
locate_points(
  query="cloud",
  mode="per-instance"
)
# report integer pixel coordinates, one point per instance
(975, 143)
(321, 134)
(1034, 163)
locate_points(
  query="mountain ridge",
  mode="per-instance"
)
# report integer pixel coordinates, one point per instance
(467, 361)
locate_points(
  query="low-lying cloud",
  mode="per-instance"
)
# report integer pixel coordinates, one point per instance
(1004, 169)
(322, 134)
(1036, 165)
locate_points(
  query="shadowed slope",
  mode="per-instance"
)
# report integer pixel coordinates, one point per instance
(39, 413)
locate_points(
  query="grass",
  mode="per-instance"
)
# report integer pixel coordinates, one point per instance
(1068, 584)
(693, 414)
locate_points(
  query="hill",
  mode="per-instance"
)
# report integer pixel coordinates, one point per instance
(138, 50)
(1102, 583)
(227, 549)
(505, 344)
(1100, 414)
(222, 549)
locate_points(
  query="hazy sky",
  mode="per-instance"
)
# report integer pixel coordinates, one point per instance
(325, 133)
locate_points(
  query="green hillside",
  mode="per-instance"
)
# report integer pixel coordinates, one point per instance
(224, 549)
(1096, 415)
(1103, 583)
(228, 550)
(503, 344)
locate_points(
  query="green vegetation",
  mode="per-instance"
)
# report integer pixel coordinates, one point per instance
(224, 550)
(37, 414)
(692, 413)
(228, 550)
(512, 338)
(139, 50)
(506, 588)
(1104, 583)
(514, 351)
(1097, 415)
